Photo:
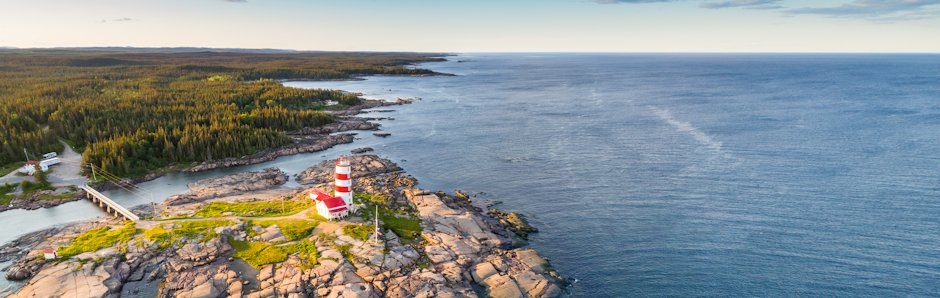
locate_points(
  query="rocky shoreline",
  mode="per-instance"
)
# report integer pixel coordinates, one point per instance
(309, 139)
(453, 249)
(34, 202)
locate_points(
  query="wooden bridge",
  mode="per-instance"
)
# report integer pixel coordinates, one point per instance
(108, 205)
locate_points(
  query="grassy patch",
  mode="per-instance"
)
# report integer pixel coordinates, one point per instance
(6, 199)
(5, 190)
(10, 167)
(257, 254)
(29, 186)
(315, 216)
(359, 231)
(160, 236)
(181, 231)
(54, 197)
(403, 225)
(406, 228)
(293, 229)
(197, 228)
(256, 209)
(97, 239)
(372, 198)
(344, 250)
(306, 249)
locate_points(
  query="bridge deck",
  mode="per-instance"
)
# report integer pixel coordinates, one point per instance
(112, 204)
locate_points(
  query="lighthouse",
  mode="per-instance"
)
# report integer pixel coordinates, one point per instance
(344, 181)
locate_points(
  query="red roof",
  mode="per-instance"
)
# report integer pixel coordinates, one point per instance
(32, 162)
(48, 250)
(333, 204)
(321, 195)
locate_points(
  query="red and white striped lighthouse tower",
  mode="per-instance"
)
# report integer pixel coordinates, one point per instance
(343, 181)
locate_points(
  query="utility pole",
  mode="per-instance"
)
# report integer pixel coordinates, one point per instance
(94, 177)
(27, 154)
(376, 237)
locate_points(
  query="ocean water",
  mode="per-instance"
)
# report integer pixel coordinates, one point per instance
(670, 174)
(693, 174)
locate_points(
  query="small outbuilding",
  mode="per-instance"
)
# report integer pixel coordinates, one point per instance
(30, 167)
(49, 253)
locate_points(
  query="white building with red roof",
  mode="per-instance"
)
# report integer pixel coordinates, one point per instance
(339, 206)
(30, 167)
(329, 206)
(49, 253)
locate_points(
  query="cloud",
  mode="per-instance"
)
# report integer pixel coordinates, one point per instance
(874, 9)
(632, 1)
(118, 20)
(750, 4)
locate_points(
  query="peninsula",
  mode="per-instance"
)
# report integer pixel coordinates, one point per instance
(246, 235)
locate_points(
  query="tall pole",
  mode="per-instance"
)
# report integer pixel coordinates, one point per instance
(376, 238)
(94, 177)
(27, 154)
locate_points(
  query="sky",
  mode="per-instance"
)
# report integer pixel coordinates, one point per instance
(480, 25)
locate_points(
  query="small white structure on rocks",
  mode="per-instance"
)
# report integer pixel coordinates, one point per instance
(49, 253)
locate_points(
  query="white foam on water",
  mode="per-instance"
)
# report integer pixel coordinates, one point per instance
(687, 127)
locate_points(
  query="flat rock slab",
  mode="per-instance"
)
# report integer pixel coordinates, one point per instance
(206, 189)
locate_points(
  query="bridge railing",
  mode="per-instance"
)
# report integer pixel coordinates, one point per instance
(114, 205)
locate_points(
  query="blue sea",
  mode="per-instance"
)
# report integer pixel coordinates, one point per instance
(773, 175)
(693, 174)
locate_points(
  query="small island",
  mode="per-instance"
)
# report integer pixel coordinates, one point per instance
(247, 235)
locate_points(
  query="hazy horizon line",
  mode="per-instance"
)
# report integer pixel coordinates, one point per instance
(102, 48)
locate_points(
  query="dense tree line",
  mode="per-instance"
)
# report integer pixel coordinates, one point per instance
(132, 112)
